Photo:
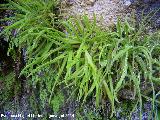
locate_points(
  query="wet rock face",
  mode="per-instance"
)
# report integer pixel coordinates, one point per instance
(151, 8)
(2, 1)
(6, 61)
(107, 11)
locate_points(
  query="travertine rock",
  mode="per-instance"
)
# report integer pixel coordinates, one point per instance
(106, 11)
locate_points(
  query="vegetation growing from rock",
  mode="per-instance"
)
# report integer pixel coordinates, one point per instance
(76, 60)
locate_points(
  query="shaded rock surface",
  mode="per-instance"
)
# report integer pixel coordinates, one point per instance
(107, 12)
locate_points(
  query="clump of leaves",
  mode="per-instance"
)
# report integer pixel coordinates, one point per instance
(94, 62)
(100, 63)
(31, 20)
(33, 26)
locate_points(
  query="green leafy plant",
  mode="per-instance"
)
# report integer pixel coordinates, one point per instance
(31, 20)
(80, 55)
(102, 62)
(33, 27)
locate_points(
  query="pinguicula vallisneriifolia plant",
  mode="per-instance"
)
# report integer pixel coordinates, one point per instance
(35, 25)
(100, 63)
(94, 62)
(30, 21)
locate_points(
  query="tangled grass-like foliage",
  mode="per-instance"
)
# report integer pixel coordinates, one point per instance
(94, 62)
